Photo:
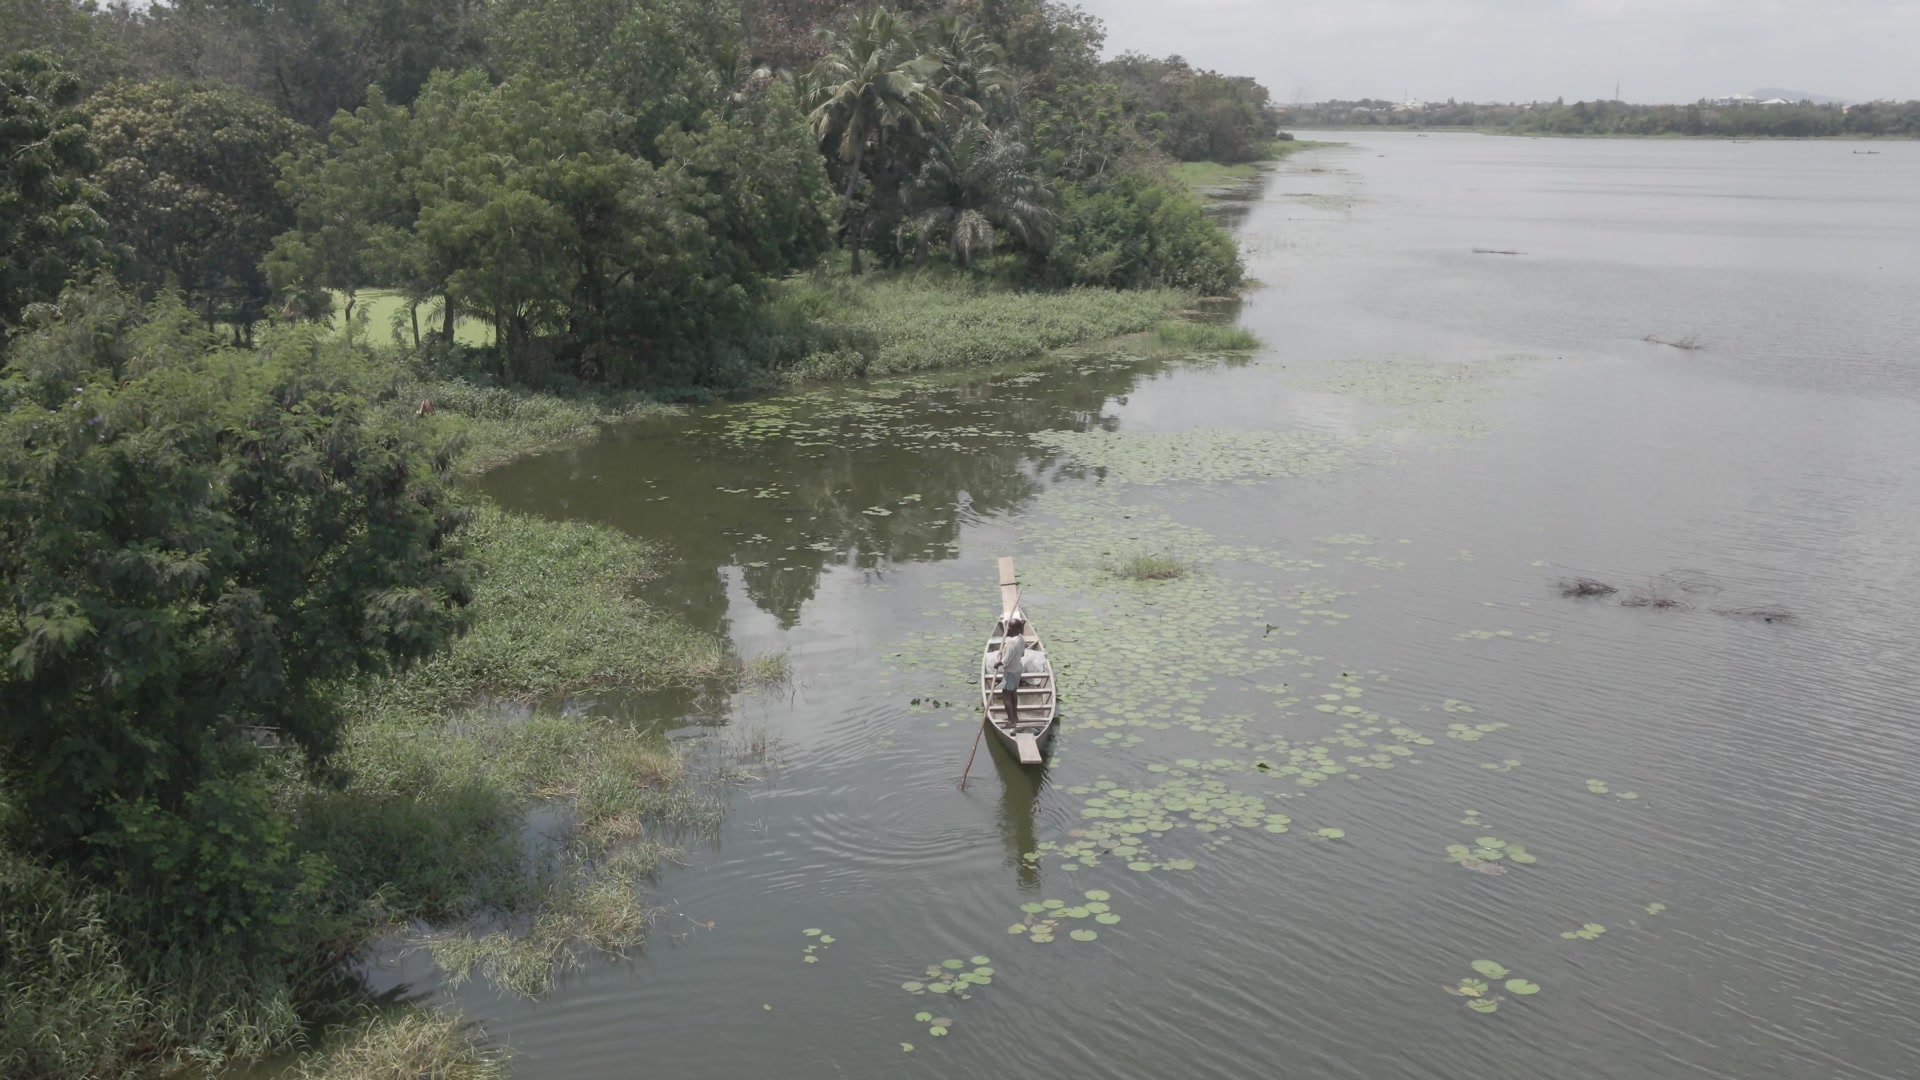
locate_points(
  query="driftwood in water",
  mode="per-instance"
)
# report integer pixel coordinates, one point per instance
(1690, 343)
(1585, 586)
(1761, 614)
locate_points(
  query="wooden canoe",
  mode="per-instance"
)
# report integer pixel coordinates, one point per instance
(1038, 715)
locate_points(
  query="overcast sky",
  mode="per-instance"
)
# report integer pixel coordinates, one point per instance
(1507, 50)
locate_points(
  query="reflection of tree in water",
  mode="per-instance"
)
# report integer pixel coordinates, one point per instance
(862, 476)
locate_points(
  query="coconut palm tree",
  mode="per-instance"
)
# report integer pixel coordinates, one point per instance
(982, 182)
(972, 68)
(873, 86)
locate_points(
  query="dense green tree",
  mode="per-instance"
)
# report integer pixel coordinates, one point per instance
(190, 173)
(768, 202)
(1193, 115)
(50, 231)
(872, 91)
(310, 58)
(657, 65)
(1084, 134)
(354, 208)
(196, 543)
(1050, 44)
(75, 34)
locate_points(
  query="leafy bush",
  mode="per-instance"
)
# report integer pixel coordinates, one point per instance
(196, 542)
(966, 321)
(1205, 337)
(222, 868)
(1149, 566)
(1140, 233)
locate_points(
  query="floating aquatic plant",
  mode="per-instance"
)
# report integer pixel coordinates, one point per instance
(1478, 991)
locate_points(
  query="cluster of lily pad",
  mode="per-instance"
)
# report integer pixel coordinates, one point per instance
(1599, 787)
(1479, 992)
(1488, 854)
(1433, 398)
(821, 939)
(1216, 455)
(1044, 918)
(953, 976)
(1538, 637)
(1587, 932)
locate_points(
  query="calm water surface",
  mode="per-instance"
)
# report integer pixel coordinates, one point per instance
(1378, 504)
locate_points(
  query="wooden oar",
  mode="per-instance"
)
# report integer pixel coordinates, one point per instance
(981, 730)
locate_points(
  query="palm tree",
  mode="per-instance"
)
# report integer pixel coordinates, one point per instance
(971, 66)
(984, 181)
(873, 84)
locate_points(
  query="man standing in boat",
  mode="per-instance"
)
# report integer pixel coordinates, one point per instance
(1013, 651)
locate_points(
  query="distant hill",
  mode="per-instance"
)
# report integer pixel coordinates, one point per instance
(1770, 92)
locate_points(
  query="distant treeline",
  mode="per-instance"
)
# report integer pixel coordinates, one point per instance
(1742, 120)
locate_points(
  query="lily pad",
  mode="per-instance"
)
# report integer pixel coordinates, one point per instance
(906, 1048)
(1083, 935)
(982, 960)
(1521, 987)
(1491, 969)
(812, 933)
(914, 987)
(936, 1030)
(1482, 1005)
(953, 965)
(1656, 908)
(1017, 928)
(1332, 834)
(1099, 894)
(1490, 841)
(1472, 987)
(1106, 918)
(923, 1017)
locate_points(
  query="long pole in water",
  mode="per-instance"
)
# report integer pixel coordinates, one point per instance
(982, 730)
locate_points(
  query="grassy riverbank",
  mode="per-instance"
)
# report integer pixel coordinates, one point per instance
(890, 322)
(1205, 177)
(906, 321)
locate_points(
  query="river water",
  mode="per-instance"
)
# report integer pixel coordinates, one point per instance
(1376, 508)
